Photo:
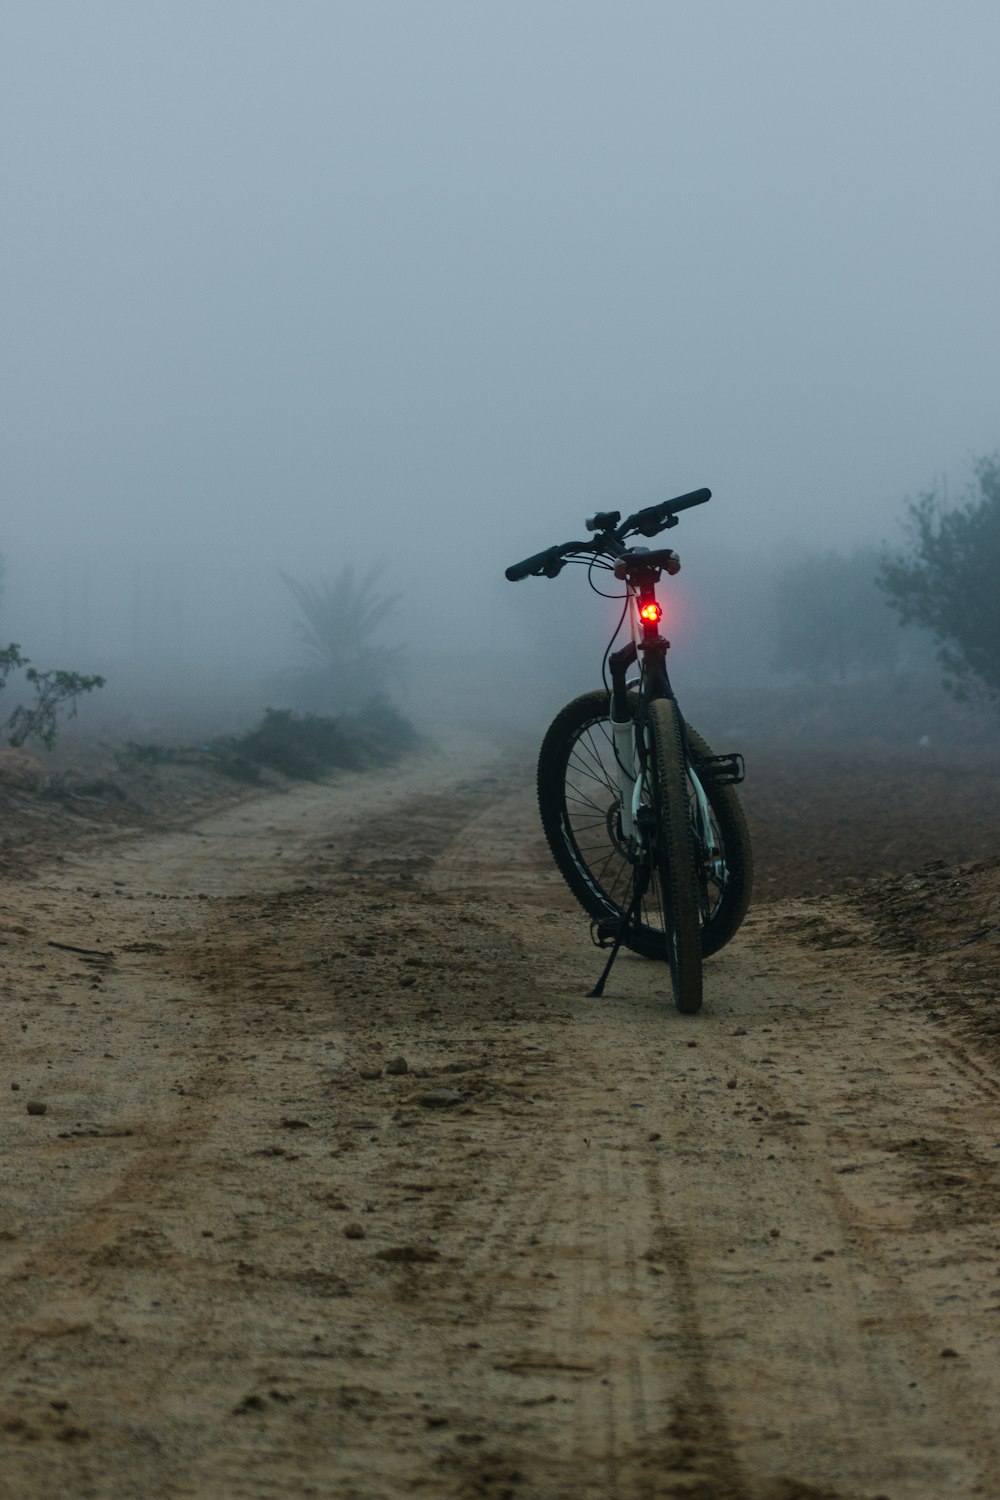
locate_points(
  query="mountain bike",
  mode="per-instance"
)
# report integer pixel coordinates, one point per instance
(641, 817)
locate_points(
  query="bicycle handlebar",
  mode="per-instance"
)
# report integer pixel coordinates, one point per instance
(647, 522)
(537, 564)
(657, 517)
(548, 563)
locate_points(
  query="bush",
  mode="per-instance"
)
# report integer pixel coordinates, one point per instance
(306, 746)
(135, 754)
(55, 692)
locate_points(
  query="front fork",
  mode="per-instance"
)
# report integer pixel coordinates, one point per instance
(623, 730)
(624, 736)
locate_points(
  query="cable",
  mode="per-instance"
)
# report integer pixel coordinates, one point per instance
(607, 568)
(614, 637)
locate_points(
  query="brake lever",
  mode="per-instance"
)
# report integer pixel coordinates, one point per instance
(654, 527)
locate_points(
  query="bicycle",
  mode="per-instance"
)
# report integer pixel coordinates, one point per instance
(640, 816)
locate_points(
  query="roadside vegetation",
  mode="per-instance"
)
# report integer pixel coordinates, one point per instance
(340, 622)
(329, 720)
(341, 716)
(891, 613)
(301, 747)
(50, 694)
(945, 580)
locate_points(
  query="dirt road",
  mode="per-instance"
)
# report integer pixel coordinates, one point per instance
(328, 1180)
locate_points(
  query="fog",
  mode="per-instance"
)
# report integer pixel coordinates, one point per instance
(291, 285)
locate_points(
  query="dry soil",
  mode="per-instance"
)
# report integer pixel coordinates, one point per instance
(324, 1177)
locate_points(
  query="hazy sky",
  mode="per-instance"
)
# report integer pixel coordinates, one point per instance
(295, 283)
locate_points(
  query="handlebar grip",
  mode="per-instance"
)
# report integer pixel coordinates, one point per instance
(684, 502)
(656, 518)
(536, 564)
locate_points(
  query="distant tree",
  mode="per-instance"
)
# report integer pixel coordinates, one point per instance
(830, 619)
(948, 581)
(339, 623)
(53, 692)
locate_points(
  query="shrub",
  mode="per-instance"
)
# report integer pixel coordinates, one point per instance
(306, 746)
(55, 692)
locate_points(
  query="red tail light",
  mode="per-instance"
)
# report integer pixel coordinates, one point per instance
(651, 613)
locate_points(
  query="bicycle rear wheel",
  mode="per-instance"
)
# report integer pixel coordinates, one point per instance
(578, 799)
(672, 852)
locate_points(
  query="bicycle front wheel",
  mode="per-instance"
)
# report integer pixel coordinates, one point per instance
(672, 852)
(579, 803)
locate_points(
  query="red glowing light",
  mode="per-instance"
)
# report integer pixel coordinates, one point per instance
(651, 613)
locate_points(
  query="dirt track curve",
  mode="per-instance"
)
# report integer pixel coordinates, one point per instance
(330, 1181)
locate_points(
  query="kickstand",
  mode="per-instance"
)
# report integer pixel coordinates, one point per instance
(639, 885)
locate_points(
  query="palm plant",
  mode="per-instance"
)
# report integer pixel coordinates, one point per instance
(339, 619)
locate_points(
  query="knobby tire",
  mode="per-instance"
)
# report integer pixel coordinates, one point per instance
(673, 852)
(578, 803)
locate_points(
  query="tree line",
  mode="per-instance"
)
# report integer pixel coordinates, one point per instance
(835, 615)
(839, 614)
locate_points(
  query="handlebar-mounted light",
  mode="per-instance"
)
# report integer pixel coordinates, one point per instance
(604, 520)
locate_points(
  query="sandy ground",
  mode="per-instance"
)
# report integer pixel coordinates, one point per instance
(323, 1177)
